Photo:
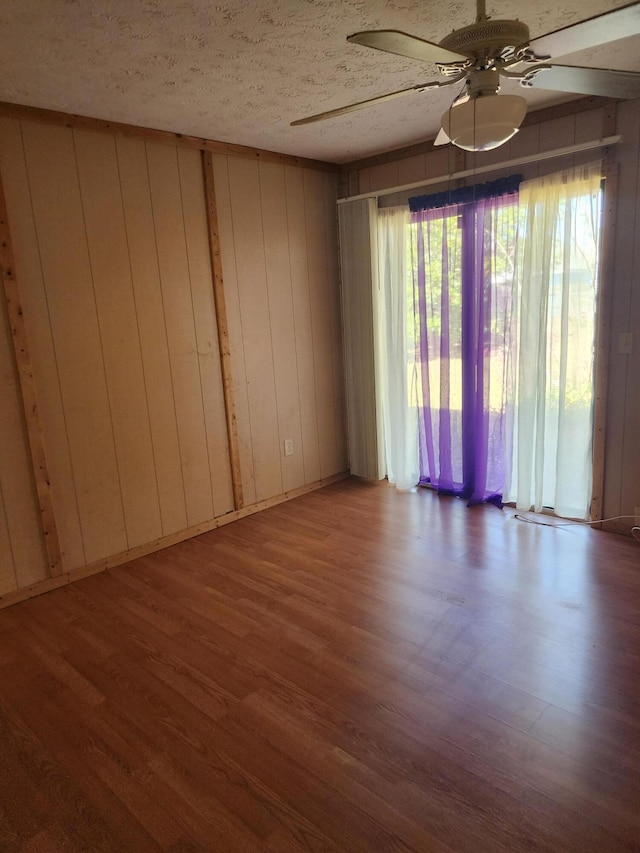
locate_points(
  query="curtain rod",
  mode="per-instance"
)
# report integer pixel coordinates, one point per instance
(493, 167)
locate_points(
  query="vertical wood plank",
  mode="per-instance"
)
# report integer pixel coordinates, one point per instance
(303, 330)
(222, 333)
(487, 158)
(42, 350)
(320, 319)
(411, 169)
(588, 126)
(166, 200)
(630, 474)
(353, 182)
(364, 181)
(145, 274)
(278, 268)
(25, 556)
(52, 167)
(603, 341)
(8, 580)
(256, 331)
(625, 236)
(383, 176)
(234, 320)
(441, 161)
(335, 318)
(526, 142)
(194, 210)
(557, 133)
(118, 323)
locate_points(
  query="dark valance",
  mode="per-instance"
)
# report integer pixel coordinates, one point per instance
(462, 195)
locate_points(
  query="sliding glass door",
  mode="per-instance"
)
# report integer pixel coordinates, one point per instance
(501, 290)
(463, 265)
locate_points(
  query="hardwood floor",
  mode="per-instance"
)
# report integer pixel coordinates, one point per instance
(356, 670)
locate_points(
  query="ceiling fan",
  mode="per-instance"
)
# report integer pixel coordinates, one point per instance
(484, 53)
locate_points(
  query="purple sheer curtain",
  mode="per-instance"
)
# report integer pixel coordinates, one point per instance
(463, 272)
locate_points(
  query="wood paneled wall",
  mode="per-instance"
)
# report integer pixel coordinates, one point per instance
(622, 458)
(278, 233)
(622, 419)
(112, 256)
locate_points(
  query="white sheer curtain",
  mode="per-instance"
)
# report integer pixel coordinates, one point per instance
(395, 345)
(553, 373)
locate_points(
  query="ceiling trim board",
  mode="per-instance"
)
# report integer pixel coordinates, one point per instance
(21, 111)
(489, 167)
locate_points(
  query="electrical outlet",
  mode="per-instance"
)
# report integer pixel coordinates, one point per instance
(637, 515)
(288, 447)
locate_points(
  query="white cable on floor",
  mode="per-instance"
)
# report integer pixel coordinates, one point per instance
(635, 531)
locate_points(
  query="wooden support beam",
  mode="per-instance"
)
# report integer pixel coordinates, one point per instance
(28, 391)
(223, 329)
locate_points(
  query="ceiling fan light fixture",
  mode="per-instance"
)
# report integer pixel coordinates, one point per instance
(484, 122)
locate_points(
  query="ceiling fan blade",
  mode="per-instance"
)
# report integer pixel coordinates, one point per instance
(588, 81)
(403, 44)
(601, 29)
(370, 102)
(441, 138)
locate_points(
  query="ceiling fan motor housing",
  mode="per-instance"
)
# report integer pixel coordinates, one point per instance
(487, 39)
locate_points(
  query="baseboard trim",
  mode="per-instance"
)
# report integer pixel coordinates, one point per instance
(619, 526)
(95, 568)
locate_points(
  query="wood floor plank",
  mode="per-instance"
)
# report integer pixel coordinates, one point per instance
(85, 809)
(358, 669)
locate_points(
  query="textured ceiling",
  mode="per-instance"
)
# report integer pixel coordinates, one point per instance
(241, 70)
